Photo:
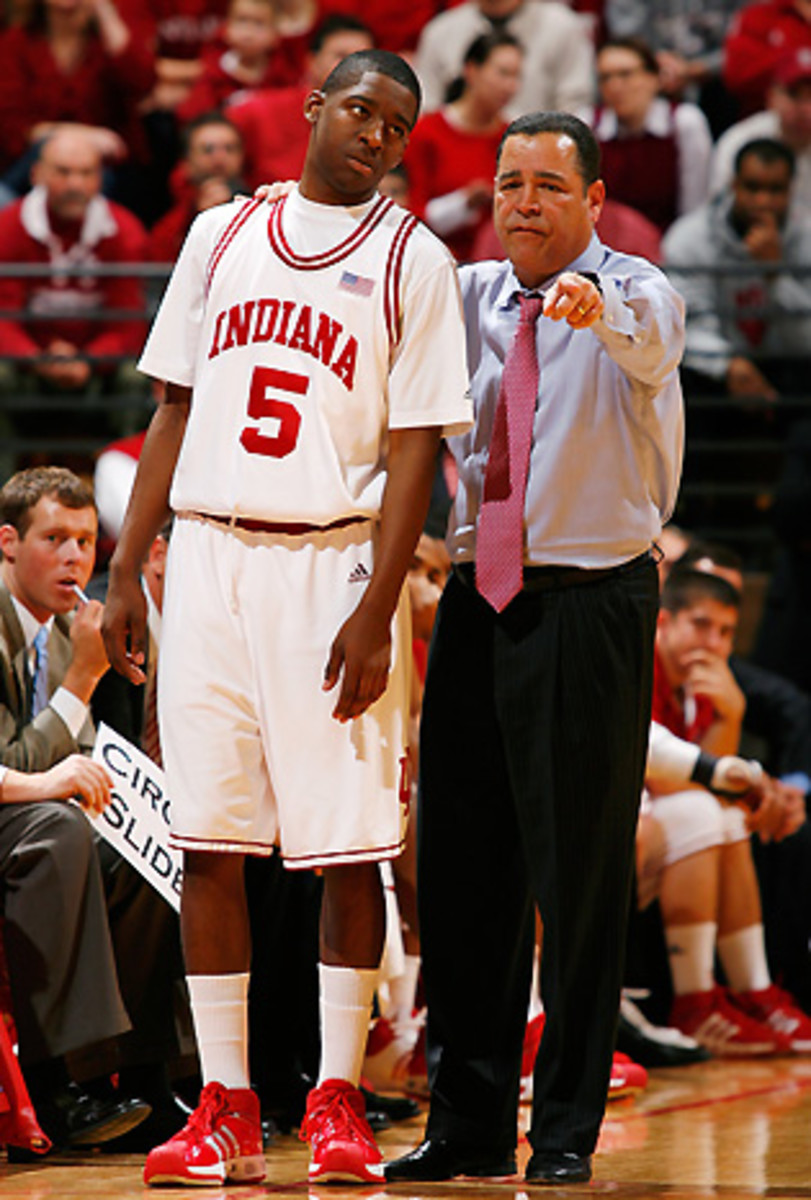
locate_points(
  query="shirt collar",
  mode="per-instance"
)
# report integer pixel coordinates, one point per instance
(658, 121)
(590, 260)
(29, 623)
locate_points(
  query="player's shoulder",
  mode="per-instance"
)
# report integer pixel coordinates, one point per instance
(214, 221)
(424, 252)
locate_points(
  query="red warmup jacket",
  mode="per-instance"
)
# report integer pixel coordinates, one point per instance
(33, 88)
(668, 712)
(759, 36)
(110, 234)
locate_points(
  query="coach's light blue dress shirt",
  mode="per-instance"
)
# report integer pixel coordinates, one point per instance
(609, 425)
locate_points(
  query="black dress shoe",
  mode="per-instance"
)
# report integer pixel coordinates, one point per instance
(396, 1108)
(556, 1166)
(436, 1159)
(72, 1118)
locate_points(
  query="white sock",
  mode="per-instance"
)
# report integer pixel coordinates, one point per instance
(743, 955)
(219, 1005)
(346, 1006)
(691, 954)
(403, 993)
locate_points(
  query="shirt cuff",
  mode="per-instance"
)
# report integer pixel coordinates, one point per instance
(797, 779)
(71, 709)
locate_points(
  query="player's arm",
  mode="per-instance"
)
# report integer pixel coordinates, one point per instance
(125, 610)
(361, 651)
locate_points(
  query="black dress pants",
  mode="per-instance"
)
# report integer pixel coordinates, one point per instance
(534, 739)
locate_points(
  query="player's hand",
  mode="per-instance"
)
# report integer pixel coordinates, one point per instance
(360, 657)
(763, 240)
(124, 626)
(274, 191)
(735, 776)
(709, 675)
(575, 300)
(779, 810)
(77, 777)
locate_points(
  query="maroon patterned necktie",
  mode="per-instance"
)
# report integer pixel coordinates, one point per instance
(150, 734)
(500, 530)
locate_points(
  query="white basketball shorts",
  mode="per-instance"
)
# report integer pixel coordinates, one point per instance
(254, 758)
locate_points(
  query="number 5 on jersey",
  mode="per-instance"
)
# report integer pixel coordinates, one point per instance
(261, 404)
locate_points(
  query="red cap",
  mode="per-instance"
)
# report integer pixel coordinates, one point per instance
(793, 68)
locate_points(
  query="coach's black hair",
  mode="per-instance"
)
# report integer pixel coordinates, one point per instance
(686, 587)
(586, 144)
(380, 62)
(768, 150)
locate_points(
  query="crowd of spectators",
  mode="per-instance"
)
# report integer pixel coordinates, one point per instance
(121, 120)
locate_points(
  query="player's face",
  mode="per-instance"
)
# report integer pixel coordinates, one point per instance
(427, 576)
(215, 152)
(544, 214)
(251, 27)
(57, 550)
(359, 133)
(706, 625)
(70, 171)
(761, 192)
(625, 84)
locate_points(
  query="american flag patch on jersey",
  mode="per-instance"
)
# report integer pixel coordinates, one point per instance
(359, 285)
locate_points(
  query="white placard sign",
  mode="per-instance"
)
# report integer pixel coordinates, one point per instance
(136, 821)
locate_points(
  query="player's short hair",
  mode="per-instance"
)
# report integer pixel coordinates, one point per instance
(586, 145)
(336, 23)
(380, 62)
(766, 150)
(722, 556)
(686, 587)
(23, 491)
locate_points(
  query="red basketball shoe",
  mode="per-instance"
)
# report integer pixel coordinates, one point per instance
(779, 1012)
(222, 1140)
(342, 1144)
(723, 1027)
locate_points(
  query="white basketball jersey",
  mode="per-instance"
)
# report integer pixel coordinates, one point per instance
(306, 331)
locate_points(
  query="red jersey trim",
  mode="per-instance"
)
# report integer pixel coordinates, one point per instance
(226, 238)
(327, 258)
(391, 287)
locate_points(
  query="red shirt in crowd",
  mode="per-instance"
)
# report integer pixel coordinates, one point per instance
(274, 133)
(759, 36)
(108, 234)
(104, 90)
(688, 721)
(442, 158)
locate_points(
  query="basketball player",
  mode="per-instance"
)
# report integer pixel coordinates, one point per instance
(313, 356)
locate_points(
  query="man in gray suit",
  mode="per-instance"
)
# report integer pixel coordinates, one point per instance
(58, 948)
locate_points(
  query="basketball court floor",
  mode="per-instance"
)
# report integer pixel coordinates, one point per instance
(717, 1129)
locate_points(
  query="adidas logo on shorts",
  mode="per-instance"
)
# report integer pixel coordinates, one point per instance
(359, 574)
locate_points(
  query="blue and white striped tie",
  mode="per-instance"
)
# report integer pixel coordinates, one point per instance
(40, 696)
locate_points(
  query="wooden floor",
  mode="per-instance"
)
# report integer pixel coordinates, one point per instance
(717, 1129)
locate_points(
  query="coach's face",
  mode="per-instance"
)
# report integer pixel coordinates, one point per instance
(57, 550)
(359, 133)
(543, 211)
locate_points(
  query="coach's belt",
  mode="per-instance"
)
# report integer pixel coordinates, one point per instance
(542, 579)
(290, 527)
